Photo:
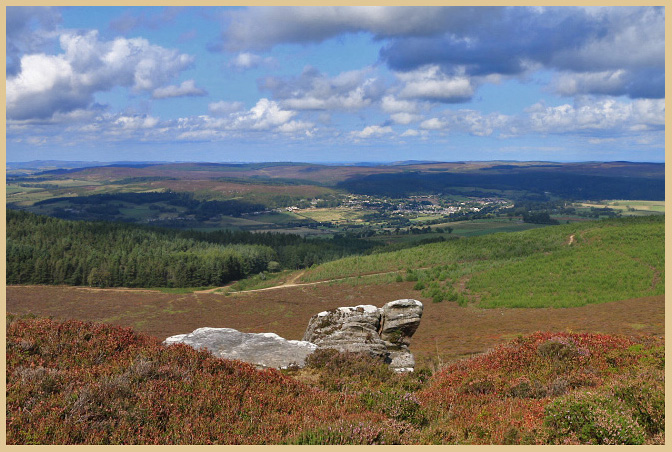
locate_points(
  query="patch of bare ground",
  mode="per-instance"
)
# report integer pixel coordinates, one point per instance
(447, 331)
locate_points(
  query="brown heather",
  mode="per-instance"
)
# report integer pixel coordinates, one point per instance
(73, 382)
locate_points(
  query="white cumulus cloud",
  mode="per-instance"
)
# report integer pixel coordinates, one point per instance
(50, 84)
(371, 131)
(430, 83)
(312, 90)
(186, 88)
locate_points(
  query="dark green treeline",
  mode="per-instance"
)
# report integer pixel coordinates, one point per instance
(46, 250)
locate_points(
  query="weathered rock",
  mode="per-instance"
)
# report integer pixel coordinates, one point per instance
(260, 349)
(383, 332)
(399, 320)
(401, 360)
(347, 329)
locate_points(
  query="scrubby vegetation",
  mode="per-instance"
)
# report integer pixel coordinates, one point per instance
(560, 266)
(82, 383)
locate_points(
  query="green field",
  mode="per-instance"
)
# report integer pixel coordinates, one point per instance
(334, 215)
(560, 266)
(631, 207)
(487, 226)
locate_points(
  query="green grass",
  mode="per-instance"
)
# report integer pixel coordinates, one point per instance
(625, 205)
(409, 238)
(470, 249)
(609, 263)
(489, 226)
(14, 189)
(277, 218)
(608, 260)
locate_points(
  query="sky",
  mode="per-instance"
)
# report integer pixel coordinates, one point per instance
(335, 84)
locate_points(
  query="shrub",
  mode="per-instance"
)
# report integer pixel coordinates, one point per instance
(82, 383)
(340, 433)
(87, 383)
(343, 370)
(558, 348)
(591, 418)
(397, 404)
(419, 285)
(644, 394)
(358, 433)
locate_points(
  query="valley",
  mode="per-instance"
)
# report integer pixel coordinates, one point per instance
(166, 249)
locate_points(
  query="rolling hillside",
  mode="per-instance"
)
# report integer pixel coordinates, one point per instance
(559, 266)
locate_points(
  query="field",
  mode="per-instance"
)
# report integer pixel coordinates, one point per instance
(486, 226)
(631, 207)
(447, 331)
(560, 266)
(531, 333)
(334, 215)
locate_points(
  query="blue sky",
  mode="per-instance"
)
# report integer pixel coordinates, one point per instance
(335, 84)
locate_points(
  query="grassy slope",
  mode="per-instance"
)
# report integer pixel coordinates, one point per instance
(81, 383)
(606, 261)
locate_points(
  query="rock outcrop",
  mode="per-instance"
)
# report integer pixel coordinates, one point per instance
(260, 349)
(383, 332)
(399, 321)
(352, 329)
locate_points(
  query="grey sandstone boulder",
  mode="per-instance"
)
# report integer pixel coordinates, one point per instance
(383, 332)
(347, 329)
(399, 321)
(260, 349)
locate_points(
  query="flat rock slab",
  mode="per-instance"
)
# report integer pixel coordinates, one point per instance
(260, 349)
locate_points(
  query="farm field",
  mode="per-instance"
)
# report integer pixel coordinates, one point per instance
(487, 226)
(631, 207)
(447, 331)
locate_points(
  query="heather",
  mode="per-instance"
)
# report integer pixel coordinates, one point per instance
(73, 382)
(81, 383)
(552, 388)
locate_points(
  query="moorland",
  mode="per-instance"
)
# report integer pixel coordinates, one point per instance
(543, 286)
